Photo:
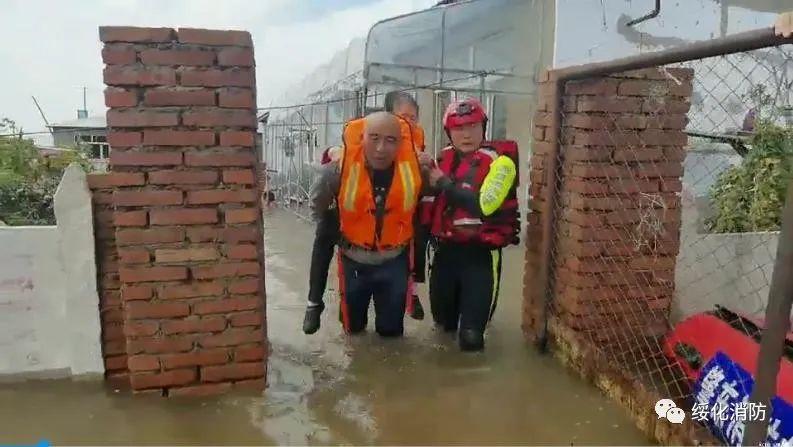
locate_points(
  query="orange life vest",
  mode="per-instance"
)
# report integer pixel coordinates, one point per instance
(418, 138)
(356, 197)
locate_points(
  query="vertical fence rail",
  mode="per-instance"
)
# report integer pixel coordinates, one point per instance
(777, 325)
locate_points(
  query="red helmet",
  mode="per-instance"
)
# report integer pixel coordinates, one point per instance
(460, 113)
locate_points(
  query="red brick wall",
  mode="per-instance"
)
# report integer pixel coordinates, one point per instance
(110, 308)
(185, 234)
(623, 146)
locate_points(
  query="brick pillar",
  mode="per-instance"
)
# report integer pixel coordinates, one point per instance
(618, 209)
(110, 308)
(182, 121)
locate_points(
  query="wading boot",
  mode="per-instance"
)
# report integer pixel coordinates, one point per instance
(471, 340)
(312, 318)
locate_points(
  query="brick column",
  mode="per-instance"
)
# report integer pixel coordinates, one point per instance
(110, 308)
(618, 210)
(182, 121)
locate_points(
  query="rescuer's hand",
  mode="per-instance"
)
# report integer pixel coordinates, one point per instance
(426, 160)
(784, 24)
(435, 175)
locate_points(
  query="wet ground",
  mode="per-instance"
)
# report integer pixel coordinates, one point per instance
(331, 389)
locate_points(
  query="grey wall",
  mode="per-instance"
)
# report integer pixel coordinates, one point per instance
(49, 324)
(594, 31)
(733, 270)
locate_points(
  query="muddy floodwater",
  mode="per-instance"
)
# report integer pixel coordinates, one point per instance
(331, 389)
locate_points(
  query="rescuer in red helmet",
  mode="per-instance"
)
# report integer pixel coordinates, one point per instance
(473, 216)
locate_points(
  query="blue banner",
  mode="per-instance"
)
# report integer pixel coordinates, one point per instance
(721, 401)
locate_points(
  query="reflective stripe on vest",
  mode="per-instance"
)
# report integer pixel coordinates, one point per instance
(467, 221)
(410, 192)
(352, 187)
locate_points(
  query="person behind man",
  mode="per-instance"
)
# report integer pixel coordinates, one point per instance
(376, 187)
(402, 104)
(474, 215)
(327, 231)
(325, 238)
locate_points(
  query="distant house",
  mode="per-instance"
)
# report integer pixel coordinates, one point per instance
(88, 131)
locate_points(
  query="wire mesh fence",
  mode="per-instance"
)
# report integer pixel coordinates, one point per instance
(294, 137)
(293, 140)
(666, 214)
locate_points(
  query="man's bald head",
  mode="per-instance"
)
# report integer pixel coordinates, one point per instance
(381, 138)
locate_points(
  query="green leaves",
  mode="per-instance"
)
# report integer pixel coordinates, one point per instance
(750, 197)
(28, 181)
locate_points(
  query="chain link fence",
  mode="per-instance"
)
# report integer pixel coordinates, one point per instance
(665, 214)
(293, 140)
(294, 137)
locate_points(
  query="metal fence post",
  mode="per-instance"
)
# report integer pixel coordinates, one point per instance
(777, 325)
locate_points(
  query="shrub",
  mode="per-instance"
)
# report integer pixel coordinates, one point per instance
(750, 196)
(28, 181)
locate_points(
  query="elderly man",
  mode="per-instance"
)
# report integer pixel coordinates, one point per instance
(376, 186)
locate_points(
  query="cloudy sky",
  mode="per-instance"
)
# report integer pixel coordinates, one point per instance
(51, 49)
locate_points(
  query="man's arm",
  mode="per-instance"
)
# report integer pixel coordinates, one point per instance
(323, 190)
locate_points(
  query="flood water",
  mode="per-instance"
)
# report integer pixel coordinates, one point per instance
(331, 389)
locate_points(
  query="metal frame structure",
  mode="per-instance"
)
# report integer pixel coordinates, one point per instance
(437, 77)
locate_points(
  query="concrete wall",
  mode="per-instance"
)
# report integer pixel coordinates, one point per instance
(729, 269)
(49, 317)
(595, 31)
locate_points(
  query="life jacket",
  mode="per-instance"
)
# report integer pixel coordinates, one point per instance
(458, 225)
(355, 198)
(418, 138)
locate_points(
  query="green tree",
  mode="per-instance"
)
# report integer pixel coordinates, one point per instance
(28, 181)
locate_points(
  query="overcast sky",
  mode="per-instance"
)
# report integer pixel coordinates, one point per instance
(51, 49)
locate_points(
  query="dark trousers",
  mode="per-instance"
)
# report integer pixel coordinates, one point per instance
(325, 239)
(421, 238)
(464, 284)
(387, 283)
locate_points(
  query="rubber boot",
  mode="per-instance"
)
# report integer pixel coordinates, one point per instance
(312, 319)
(471, 340)
(418, 309)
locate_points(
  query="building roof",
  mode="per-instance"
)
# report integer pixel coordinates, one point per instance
(92, 122)
(47, 151)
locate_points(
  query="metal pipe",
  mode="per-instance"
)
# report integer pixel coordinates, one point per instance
(735, 43)
(448, 70)
(652, 14)
(461, 89)
(777, 325)
(443, 47)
